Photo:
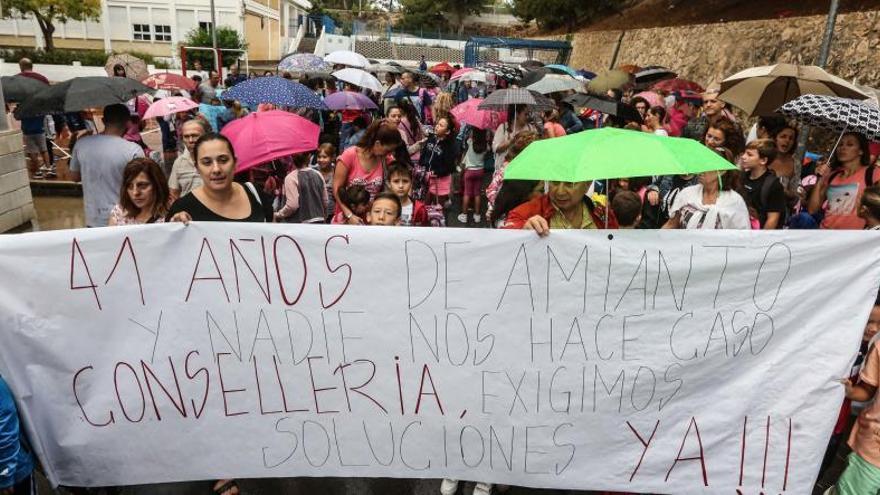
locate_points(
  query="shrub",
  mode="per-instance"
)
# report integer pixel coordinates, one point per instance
(64, 56)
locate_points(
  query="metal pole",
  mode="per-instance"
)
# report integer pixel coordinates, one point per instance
(824, 51)
(214, 39)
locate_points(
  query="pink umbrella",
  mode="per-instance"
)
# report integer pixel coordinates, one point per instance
(468, 113)
(651, 97)
(169, 105)
(265, 136)
(461, 72)
(168, 80)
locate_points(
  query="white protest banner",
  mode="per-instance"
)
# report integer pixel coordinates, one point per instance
(650, 361)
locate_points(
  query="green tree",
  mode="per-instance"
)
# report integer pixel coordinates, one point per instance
(226, 38)
(434, 14)
(48, 12)
(564, 13)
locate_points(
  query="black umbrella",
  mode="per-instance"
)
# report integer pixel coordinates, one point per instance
(652, 74)
(17, 89)
(533, 75)
(835, 114)
(81, 93)
(531, 64)
(622, 111)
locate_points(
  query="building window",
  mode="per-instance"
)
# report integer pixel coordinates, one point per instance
(205, 26)
(141, 32)
(163, 32)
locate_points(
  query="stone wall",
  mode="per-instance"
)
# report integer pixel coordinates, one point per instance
(16, 203)
(710, 52)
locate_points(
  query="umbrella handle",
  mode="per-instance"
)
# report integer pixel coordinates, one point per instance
(836, 144)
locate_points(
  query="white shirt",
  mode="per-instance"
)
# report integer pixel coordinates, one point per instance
(728, 212)
(100, 160)
(406, 213)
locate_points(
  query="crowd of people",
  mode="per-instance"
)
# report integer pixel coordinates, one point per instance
(411, 163)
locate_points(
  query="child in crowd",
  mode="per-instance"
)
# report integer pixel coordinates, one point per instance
(325, 161)
(478, 146)
(357, 199)
(438, 157)
(627, 207)
(862, 475)
(385, 210)
(359, 127)
(763, 191)
(412, 212)
(16, 461)
(305, 196)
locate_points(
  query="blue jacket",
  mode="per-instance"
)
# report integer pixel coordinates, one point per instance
(16, 462)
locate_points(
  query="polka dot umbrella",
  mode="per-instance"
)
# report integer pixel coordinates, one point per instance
(275, 90)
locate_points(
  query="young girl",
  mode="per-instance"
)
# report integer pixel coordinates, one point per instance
(305, 194)
(438, 158)
(552, 127)
(325, 159)
(862, 474)
(655, 118)
(357, 199)
(412, 212)
(478, 146)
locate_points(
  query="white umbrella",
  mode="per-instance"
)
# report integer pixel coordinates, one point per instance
(346, 57)
(555, 83)
(358, 78)
(474, 75)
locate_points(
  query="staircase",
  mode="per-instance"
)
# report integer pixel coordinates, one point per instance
(307, 45)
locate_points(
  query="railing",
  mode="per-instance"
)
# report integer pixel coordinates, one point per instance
(300, 34)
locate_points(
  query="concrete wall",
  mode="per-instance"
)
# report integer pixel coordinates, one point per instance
(16, 203)
(710, 52)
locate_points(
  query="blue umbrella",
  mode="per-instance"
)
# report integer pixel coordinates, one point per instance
(562, 68)
(586, 74)
(274, 90)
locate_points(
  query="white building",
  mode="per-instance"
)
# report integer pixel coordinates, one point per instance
(157, 26)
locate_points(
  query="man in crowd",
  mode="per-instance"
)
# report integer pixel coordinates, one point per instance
(417, 95)
(208, 89)
(98, 161)
(422, 64)
(713, 110)
(27, 70)
(234, 77)
(684, 109)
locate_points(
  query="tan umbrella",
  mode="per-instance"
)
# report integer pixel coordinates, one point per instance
(612, 79)
(135, 68)
(762, 90)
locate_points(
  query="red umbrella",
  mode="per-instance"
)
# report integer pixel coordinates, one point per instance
(677, 84)
(468, 113)
(168, 80)
(441, 68)
(265, 136)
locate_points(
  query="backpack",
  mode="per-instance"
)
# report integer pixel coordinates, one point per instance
(765, 196)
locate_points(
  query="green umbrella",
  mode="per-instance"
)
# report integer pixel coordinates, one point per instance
(611, 153)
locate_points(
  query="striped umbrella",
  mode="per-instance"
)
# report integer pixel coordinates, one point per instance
(275, 90)
(503, 98)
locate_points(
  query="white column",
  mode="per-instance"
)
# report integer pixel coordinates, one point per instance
(105, 25)
(175, 37)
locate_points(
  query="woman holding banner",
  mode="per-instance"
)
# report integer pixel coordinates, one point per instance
(219, 198)
(144, 194)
